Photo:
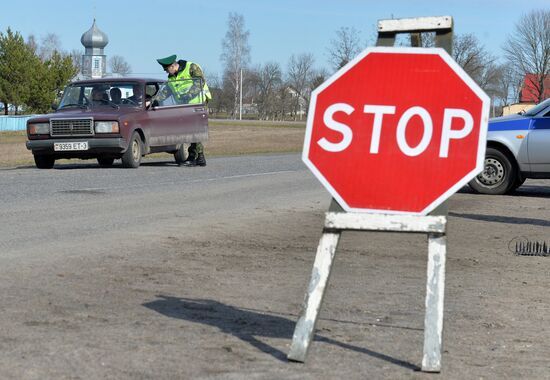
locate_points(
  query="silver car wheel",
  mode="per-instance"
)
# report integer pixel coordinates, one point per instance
(493, 174)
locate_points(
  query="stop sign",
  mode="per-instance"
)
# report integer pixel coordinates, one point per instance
(396, 130)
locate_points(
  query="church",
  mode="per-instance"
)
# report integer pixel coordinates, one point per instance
(94, 60)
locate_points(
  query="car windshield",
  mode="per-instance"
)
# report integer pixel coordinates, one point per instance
(539, 107)
(104, 94)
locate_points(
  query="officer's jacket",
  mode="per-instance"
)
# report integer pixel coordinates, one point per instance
(188, 91)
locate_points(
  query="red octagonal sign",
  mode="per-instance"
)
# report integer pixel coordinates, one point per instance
(397, 130)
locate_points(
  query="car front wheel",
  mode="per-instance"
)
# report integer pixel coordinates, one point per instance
(105, 162)
(179, 155)
(44, 161)
(498, 176)
(132, 157)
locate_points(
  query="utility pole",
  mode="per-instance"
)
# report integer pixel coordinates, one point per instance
(241, 97)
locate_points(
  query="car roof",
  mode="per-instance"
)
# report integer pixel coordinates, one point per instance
(119, 80)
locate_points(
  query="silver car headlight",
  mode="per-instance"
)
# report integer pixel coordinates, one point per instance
(39, 129)
(106, 127)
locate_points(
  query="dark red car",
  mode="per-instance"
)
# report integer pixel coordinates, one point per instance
(117, 118)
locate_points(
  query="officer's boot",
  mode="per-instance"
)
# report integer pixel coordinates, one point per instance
(200, 161)
(190, 160)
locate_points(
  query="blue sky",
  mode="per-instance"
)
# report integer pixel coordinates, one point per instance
(142, 31)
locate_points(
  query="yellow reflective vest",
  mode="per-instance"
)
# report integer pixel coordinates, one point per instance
(185, 89)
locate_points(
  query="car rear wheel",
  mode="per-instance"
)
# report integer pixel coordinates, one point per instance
(498, 176)
(132, 157)
(44, 161)
(105, 162)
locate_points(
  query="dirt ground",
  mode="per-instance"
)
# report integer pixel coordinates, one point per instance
(219, 298)
(239, 288)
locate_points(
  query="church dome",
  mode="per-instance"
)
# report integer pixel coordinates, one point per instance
(94, 38)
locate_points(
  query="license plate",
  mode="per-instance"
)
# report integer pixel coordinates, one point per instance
(80, 145)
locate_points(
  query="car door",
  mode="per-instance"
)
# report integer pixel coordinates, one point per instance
(173, 121)
(538, 142)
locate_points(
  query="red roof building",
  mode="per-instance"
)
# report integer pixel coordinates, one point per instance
(530, 91)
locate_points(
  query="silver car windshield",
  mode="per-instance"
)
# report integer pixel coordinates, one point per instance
(108, 94)
(538, 108)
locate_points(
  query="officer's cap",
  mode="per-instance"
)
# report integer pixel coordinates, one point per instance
(167, 61)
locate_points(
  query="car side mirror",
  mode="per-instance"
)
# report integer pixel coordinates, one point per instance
(55, 106)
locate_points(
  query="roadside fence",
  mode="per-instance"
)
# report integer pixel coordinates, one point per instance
(14, 123)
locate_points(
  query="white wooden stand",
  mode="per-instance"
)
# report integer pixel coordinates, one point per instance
(434, 225)
(335, 223)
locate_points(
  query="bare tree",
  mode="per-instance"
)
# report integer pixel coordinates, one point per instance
(344, 47)
(49, 44)
(300, 72)
(235, 54)
(268, 82)
(318, 77)
(508, 85)
(220, 102)
(528, 50)
(477, 62)
(427, 39)
(285, 102)
(470, 55)
(76, 57)
(33, 45)
(119, 65)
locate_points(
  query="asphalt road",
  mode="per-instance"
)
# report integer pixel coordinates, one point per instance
(54, 211)
(183, 273)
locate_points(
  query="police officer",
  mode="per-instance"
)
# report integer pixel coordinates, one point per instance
(187, 92)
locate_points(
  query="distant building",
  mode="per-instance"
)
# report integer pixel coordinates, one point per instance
(94, 60)
(528, 96)
(530, 92)
(517, 108)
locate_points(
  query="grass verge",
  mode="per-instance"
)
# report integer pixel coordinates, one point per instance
(227, 138)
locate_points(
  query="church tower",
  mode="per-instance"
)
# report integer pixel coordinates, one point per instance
(94, 61)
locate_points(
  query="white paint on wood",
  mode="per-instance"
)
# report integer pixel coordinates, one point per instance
(417, 24)
(385, 222)
(435, 294)
(305, 327)
(335, 223)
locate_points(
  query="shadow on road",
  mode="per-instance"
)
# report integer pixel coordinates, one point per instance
(248, 324)
(535, 191)
(116, 165)
(502, 219)
(91, 164)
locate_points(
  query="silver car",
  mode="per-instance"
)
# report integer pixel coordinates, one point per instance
(518, 147)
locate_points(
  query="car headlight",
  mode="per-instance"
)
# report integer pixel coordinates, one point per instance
(106, 127)
(39, 129)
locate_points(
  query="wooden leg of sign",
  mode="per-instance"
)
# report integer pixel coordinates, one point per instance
(435, 292)
(305, 327)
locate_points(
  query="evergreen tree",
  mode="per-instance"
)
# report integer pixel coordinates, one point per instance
(16, 65)
(26, 79)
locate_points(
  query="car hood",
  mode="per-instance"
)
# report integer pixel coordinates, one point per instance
(98, 114)
(509, 122)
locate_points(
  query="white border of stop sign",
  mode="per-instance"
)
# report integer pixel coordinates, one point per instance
(379, 111)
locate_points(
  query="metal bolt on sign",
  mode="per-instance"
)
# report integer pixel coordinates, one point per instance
(339, 219)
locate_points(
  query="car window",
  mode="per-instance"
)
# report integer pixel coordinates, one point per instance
(71, 95)
(151, 89)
